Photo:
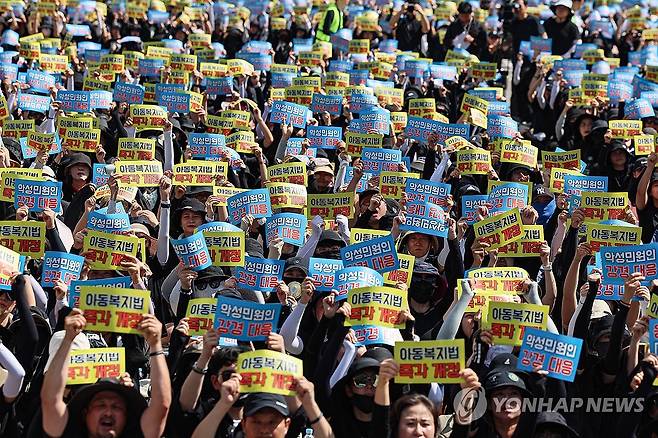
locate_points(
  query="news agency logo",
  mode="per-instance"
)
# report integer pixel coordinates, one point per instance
(471, 404)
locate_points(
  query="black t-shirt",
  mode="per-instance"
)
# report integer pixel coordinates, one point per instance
(409, 33)
(564, 35)
(522, 30)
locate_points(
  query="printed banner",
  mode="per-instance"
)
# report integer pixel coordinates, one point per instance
(245, 320)
(378, 254)
(60, 266)
(430, 361)
(37, 195)
(507, 321)
(268, 371)
(112, 309)
(557, 354)
(376, 305)
(499, 230)
(260, 274)
(193, 251)
(107, 251)
(86, 366)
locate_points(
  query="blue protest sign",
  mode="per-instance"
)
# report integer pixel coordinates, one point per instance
(284, 80)
(108, 223)
(253, 202)
(245, 320)
(324, 137)
(361, 102)
(363, 182)
(40, 81)
(638, 109)
(358, 77)
(100, 99)
(8, 72)
(419, 129)
(490, 95)
(193, 251)
(78, 30)
(167, 88)
(388, 46)
(219, 86)
(507, 196)
(373, 335)
(499, 108)
(218, 226)
(150, 67)
(377, 120)
(342, 65)
(37, 195)
(290, 113)
(378, 254)
(619, 91)
(501, 126)
(582, 48)
(60, 266)
(74, 288)
(158, 16)
(130, 93)
(574, 185)
(651, 96)
(422, 190)
(10, 38)
(416, 69)
(653, 336)
(570, 64)
(100, 175)
(378, 160)
(333, 104)
(290, 227)
(443, 72)
(206, 145)
(557, 354)
(426, 218)
(260, 274)
(470, 204)
(175, 102)
(30, 152)
(540, 44)
(322, 271)
(618, 263)
(260, 61)
(74, 101)
(574, 77)
(355, 277)
(33, 102)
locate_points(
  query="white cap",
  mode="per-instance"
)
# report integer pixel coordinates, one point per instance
(79, 343)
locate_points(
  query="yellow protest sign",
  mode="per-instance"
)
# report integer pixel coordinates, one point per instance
(556, 184)
(399, 121)
(564, 160)
(200, 315)
(529, 245)
(507, 321)
(9, 176)
(599, 235)
(213, 69)
(17, 128)
(389, 95)
(287, 195)
(358, 235)
(652, 309)
(519, 154)
(644, 144)
(337, 79)
(134, 149)
(392, 184)
(430, 361)
(356, 141)
(66, 123)
(599, 206)
(139, 173)
(359, 46)
(195, 173)
(226, 248)
(456, 142)
(331, 205)
(88, 365)
(240, 119)
(223, 193)
(112, 309)
(268, 371)
(421, 107)
(593, 89)
(27, 238)
(291, 172)
(299, 95)
(485, 71)
(81, 140)
(148, 116)
(242, 141)
(114, 63)
(376, 305)
(473, 161)
(624, 129)
(499, 230)
(182, 61)
(106, 251)
(42, 142)
(470, 101)
(53, 63)
(403, 273)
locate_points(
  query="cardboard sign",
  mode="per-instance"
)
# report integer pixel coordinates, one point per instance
(292, 172)
(245, 320)
(289, 227)
(601, 235)
(564, 160)
(136, 149)
(430, 361)
(226, 248)
(195, 173)
(107, 251)
(426, 218)
(376, 305)
(392, 184)
(193, 251)
(148, 116)
(60, 266)
(200, 315)
(529, 245)
(37, 195)
(473, 161)
(378, 254)
(25, 238)
(286, 195)
(268, 371)
(86, 366)
(557, 354)
(252, 202)
(507, 321)
(617, 264)
(139, 173)
(260, 274)
(500, 230)
(330, 205)
(112, 309)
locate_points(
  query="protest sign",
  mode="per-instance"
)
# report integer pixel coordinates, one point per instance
(617, 264)
(625, 128)
(324, 137)
(377, 160)
(130, 93)
(331, 205)
(289, 227)
(139, 173)
(372, 335)
(600, 235)
(251, 202)
(575, 185)
(653, 336)
(392, 184)
(427, 362)
(292, 172)
(426, 218)
(518, 153)
(81, 140)
(268, 371)
(644, 144)
(60, 266)
(112, 309)
(195, 173)
(136, 149)
(420, 190)
(507, 321)
(507, 196)
(76, 286)
(355, 277)
(564, 160)
(473, 161)
(260, 274)
(376, 305)
(86, 366)
(556, 181)
(499, 230)
(245, 320)
(18, 128)
(419, 129)
(557, 354)
(600, 206)
(496, 280)
(287, 195)
(470, 205)
(107, 251)
(40, 142)
(148, 116)
(74, 101)
(200, 315)
(358, 235)
(378, 254)
(193, 251)
(289, 113)
(322, 272)
(37, 195)
(27, 238)
(403, 273)
(529, 245)
(355, 142)
(226, 248)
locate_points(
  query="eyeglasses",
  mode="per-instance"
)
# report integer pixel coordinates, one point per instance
(363, 380)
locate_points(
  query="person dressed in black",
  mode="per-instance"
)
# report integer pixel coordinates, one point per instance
(466, 33)
(560, 29)
(523, 26)
(409, 25)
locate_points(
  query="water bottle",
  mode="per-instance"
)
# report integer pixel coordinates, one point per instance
(309, 433)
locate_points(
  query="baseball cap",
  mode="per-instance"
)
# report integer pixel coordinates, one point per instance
(502, 378)
(261, 400)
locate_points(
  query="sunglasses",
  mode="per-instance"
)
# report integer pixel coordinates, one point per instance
(363, 380)
(213, 284)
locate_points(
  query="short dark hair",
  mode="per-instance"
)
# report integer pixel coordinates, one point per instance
(223, 357)
(465, 8)
(408, 401)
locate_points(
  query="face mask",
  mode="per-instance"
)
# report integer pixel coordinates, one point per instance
(363, 403)
(335, 255)
(421, 291)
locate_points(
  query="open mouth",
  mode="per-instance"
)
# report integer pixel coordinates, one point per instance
(107, 422)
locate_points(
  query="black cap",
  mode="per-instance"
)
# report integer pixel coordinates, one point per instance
(296, 262)
(599, 124)
(191, 204)
(331, 236)
(261, 400)
(503, 362)
(539, 190)
(554, 421)
(80, 158)
(502, 378)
